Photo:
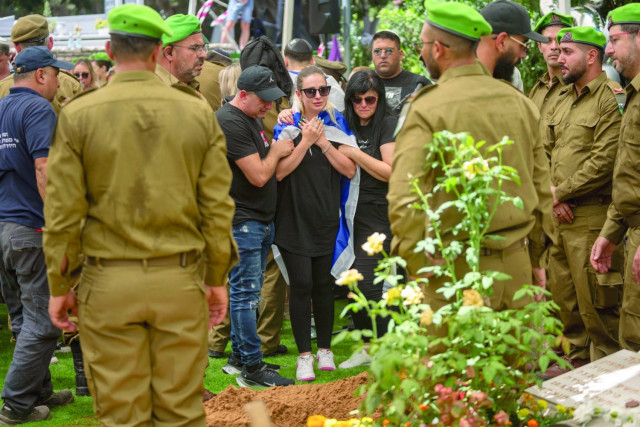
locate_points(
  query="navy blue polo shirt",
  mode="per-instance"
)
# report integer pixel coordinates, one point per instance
(27, 122)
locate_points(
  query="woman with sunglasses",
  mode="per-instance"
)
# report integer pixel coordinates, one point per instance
(307, 220)
(85, 73)
(368, 116)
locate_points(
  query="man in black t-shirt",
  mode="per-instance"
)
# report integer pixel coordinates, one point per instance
(399, 84)
(253, 163)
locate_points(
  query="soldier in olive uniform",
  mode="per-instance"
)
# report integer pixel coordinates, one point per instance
(624, 212)
(584, 126)
(33, 30)
(153, 193)
(468, 99)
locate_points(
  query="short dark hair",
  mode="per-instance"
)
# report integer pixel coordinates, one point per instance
(631, 28)
(359, 83)
(102, 63)
(388, 35)
(42, 41)
(132, 47)
(4, 49)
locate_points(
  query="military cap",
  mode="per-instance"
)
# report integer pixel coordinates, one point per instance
(627, 14)
(182, 26)
(584, 35)
(553, 19)
(35, 57)
(100, 56)
(458, 19)
(137, 21)
(511, 18)
(28, 28)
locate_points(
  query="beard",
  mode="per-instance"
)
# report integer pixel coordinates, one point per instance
(627, 65)
(574, 75)
(505, 66)
(431, 67)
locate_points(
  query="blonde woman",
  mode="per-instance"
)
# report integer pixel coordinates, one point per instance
(228, 82)
(83, 70)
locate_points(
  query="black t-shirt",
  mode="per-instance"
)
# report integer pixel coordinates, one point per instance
(309, 205)
(400, 87)
(372, 190)
(245, 136)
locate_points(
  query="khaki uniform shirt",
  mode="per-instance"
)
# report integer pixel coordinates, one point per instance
(545, 97)
(210, 83)
(583, 134)
(171, 80)
(469, 99)
(155, 183)
(69, 88)
(626, 174)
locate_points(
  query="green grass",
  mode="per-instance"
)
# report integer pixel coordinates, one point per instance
(80, 413)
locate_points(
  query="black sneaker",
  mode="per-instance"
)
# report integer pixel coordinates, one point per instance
(215, 354)
(234, 365)
(263, 377)
(56, 399)
(8, 417)
(280, 350)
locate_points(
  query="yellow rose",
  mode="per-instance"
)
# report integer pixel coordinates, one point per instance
(472, 298)
(349, 276)
(392, 294)
(316, 421)
(426, 317)
(374, 243)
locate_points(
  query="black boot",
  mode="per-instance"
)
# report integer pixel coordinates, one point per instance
(81, 379)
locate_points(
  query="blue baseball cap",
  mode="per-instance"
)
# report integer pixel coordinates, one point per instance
(35, 57)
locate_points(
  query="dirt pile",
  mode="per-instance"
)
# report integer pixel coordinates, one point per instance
(287, 406)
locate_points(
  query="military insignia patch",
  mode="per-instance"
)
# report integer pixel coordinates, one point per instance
(567, 37)
(555, 19)
(609, 22)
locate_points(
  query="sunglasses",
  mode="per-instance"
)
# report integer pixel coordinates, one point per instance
(83, 75)
(369, 100)
(310, 92)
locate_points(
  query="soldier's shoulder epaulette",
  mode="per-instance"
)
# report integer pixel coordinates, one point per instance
(618, 93)
(186, 89)
(407, 105)
(421, 92)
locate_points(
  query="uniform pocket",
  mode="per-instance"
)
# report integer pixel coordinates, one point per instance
(27, 248)
(606, 289)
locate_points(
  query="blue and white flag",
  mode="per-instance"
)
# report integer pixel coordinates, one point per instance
(339, 131)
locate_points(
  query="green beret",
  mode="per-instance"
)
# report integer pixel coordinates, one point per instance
(584, 35)
(627, 14)
(552, 19)
(30, 27)
(137, 21)
(182, 26)
(100, 56)
(458, 19)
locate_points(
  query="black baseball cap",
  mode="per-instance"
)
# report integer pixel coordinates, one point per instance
(35, 57)
(260, 80)
(511, 18)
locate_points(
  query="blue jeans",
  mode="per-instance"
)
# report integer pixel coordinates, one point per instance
(254, 240)
(23, 273)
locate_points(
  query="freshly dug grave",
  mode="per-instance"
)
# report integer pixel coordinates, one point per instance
(287, 406)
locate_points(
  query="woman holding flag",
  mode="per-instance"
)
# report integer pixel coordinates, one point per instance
(313, 181)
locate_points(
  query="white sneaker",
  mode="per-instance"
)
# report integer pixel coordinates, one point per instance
(304, 368)
(325, 360)
(360, 358)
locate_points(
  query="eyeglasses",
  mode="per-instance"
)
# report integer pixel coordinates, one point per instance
(197, 48)
(418, 45)
(83, 75)
(613, 37)
(369, 100)
(388, 51)
(523, 45)
(310, 92)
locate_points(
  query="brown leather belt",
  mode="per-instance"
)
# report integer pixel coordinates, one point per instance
(519, 244)
(183, 259)
(633, 220)
(591, 200)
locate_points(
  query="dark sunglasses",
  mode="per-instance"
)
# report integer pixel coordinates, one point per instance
(370, 100)
(83, 75)
(310, 92)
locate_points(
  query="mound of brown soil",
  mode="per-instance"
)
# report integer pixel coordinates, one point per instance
(287, 406)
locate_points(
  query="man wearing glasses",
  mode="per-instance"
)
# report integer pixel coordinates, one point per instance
(506, 46)
(399, 84)
(184, 53)
(624, 213)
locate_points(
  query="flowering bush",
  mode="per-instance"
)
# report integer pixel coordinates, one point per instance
(464, 364)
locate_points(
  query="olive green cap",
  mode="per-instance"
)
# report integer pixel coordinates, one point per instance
(627, 14)
(458, 19)
(552, 19)
(182, 26)
(28, 28)
(137, 21)
(584, 35)
(100, 56)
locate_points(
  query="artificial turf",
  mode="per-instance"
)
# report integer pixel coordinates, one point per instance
(80, 413)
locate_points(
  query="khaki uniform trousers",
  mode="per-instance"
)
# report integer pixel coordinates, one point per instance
(270, 317)
(144, 335)
(589, 302)
(630, 313)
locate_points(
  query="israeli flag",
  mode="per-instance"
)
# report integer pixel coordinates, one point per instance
(339, 131)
